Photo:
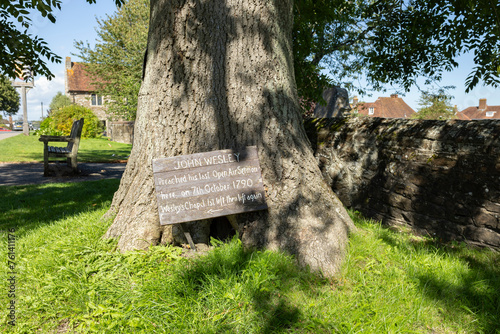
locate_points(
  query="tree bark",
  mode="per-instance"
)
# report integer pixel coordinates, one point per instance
(219, 75)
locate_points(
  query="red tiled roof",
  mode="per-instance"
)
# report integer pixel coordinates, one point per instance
(476, 113)
(386, 107)
(78, 78)
(462, 117)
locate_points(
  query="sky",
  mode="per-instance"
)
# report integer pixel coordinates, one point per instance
(77, 21)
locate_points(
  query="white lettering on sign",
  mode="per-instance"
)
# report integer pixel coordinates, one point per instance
(208, 161)
(188, 163)
(173, 180)
(205, 185)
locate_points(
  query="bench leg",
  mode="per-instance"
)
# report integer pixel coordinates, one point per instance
(73, 164)
(45, 160)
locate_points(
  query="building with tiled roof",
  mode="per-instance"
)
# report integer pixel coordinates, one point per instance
(385, 107)
(79, 88)
(482, 111)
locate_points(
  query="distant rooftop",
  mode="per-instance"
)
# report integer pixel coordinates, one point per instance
(481, 111)
(78, 79)
(386, 107)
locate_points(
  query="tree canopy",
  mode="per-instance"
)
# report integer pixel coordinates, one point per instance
(18, 44)
(393, 42)
(435, 105)
(424, 38)
(59, 101)
(328, 35)
(9, 97)
(388, 42)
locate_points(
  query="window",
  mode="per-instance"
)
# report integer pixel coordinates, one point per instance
(371, 111)
(490, 113)
(96, 100)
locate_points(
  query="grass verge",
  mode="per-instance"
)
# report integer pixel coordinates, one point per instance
(28, 149)
(69, 279)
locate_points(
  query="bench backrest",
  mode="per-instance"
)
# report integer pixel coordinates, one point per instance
(76, 133)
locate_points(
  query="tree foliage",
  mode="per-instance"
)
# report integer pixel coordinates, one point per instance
(59, 101)
(328, 34)
(392, 42)
(18, 44)
(424, 37)
(116, 60)
(9, 97)
(435, 105)
(388, 42)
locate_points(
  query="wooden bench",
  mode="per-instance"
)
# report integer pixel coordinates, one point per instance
(70, 151)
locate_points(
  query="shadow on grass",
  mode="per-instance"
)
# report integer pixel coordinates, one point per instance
(264, 279)
(32, 206)
(116, 155)
(472, 290)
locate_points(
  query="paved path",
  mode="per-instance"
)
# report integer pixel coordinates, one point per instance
(7, 134)
(32, 173)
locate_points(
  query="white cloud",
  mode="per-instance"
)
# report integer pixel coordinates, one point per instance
(43, 91)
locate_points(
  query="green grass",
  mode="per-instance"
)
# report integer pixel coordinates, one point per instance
(28, 149)
(71, 280)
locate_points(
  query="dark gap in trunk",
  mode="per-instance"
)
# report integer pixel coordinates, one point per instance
(221, 229)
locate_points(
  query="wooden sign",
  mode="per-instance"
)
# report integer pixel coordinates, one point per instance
(207, 185)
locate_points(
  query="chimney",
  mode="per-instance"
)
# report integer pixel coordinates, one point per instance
(68, 63)
(394, 96)
(66, 81)
(355, 101)
(482, 104)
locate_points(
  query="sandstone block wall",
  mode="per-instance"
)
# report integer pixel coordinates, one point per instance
(121, 131)
(442, 178)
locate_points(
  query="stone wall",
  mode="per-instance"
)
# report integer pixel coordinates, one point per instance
(85, 99)
(442, 178)
(121, 132)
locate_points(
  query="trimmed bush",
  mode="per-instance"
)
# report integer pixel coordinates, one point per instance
(59, 123)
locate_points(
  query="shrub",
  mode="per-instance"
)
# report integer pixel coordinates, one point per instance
(60, 121)
(47, 129)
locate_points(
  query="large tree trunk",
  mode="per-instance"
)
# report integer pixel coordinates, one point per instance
(219, 75)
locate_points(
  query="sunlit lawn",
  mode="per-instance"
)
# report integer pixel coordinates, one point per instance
(22, 148)
(70, 279)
